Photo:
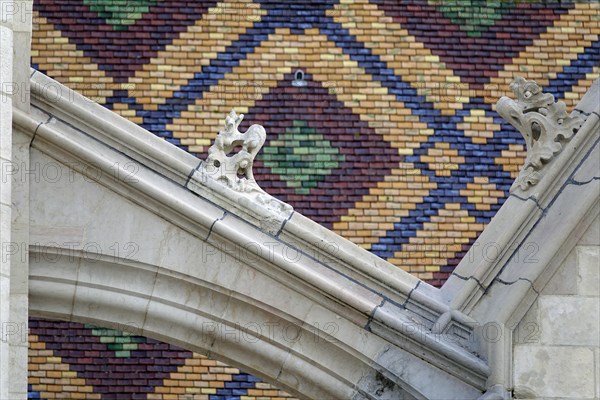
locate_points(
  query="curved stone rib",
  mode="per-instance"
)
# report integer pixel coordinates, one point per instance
(544, 124)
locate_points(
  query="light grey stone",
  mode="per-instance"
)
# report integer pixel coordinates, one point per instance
(597, 356)
(528, 329)
(21, 46)
(52, 282)
(207, 261)
(588, 270)
(107, 272)
(235, 170)
(5, 126)
(6, 14)
(102, 306)
(112, 130)
(342, 325)
(50, 176)
(6, 182)
(564, 281)
(307, 377)
(385, 388)
(569, 320)
(592, 235)
(4, 296)
(300, 265)
(175, 289)
(4, 320)
(268, 290)
(182, 326)
(554, 124)
(5, 238)
(18, 345)
(418, 377)
(20, 224)
(548, 371)
(51, 299)
(5, 131)
(589, 169)
(22, 18)
(18, 315)
(561, 218)
(6, 49)
(349, 259)
(512, 296)
(82, 201)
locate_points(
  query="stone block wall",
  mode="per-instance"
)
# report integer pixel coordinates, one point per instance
(6, 77)
(557, 344)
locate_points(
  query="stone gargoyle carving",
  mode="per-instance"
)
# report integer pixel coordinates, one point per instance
(231, 157)
(544, 124)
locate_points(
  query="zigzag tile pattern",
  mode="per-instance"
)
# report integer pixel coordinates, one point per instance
(74, 361)
(393, 142)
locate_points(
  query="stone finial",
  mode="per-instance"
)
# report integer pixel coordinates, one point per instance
(544, 124)
(230, 161)
(235, 170)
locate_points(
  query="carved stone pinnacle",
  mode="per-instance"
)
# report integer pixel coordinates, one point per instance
(544, 124)
(231, 157)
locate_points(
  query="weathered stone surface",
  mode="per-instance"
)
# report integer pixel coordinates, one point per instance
(588, 270)
(21, 40)
(6, 49)
(547, 371)
(528, 329)
(5, 126)
(4, 318)
(560, 218)
(597, 353)
(592, 235)
(569, 320)
(544, 124)
(564, 281)
(233, 169)
(416, 372)
(6, 15)
(5, 189)
(46, 278)
(590, 170)
(6, 89)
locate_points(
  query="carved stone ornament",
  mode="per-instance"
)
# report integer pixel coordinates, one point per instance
(544, 124)
(231, 157)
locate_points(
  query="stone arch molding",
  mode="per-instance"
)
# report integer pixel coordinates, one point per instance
(128, 268)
